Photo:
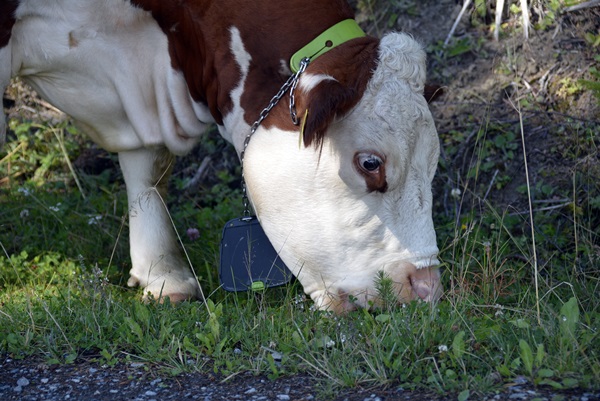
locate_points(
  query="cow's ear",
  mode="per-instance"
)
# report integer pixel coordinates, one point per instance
(321, 106)
(333, 84)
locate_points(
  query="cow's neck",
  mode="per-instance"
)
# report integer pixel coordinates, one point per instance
(200, 40)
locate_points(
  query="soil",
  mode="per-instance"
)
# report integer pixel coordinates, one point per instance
(486, 84)
(26, 380)
(482, 85)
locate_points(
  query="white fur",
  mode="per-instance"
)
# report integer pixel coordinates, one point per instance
(107, 64)
(284, 68)
(309, 81)
(157, 263)
(111, 58)
(332, 233)
(235, 127)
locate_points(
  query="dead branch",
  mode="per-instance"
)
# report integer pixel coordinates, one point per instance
(460, 15)
(581, 6)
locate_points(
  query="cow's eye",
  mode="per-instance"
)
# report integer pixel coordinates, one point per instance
(369, 162)
(371, 165)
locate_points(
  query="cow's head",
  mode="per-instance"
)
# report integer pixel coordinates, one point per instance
(354, 199)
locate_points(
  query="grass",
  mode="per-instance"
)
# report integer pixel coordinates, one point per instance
(63, 299)
(521, 277)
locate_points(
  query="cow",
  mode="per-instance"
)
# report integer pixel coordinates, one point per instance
(340, 181)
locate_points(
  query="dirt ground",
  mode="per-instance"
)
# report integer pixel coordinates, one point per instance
(25, 380)
(489, 80)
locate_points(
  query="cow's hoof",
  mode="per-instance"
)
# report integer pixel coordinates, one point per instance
(178, 298)
(178, 286)
(174, 298)
(176, 291)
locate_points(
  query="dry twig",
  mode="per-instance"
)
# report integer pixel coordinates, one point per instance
(200, 173)
(525, 12)
(499, 9)
(581, 6)
(460, 15)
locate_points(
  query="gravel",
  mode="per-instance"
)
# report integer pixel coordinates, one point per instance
(29, 380)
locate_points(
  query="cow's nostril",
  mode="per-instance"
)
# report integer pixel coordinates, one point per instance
(425, 283)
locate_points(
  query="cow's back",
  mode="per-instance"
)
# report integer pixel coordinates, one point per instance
(110, 58)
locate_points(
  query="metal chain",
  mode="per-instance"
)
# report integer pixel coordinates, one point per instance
(303, 64)
(291, 84)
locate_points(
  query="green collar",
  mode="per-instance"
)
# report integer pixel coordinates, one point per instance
(334, 36)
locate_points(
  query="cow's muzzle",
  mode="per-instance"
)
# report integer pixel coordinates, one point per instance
(424, 284)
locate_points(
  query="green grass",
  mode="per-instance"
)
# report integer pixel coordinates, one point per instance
(63, 298)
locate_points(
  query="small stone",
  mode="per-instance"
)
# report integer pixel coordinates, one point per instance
(22, 382)
(150, 393)
(45, 380)
(276, 356)
(521, 380)
(250, 391)
(283, 397)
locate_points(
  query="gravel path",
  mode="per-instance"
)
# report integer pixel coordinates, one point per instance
(27, 380)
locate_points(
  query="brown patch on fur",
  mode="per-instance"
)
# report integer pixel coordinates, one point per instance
(199, 45)
(7, 20)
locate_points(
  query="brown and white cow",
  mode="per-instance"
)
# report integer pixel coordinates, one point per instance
(145, 78)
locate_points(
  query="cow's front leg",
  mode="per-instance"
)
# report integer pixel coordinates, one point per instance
(157, 262)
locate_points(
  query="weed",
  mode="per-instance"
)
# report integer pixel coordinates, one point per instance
(548, 11)
(387, 297)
